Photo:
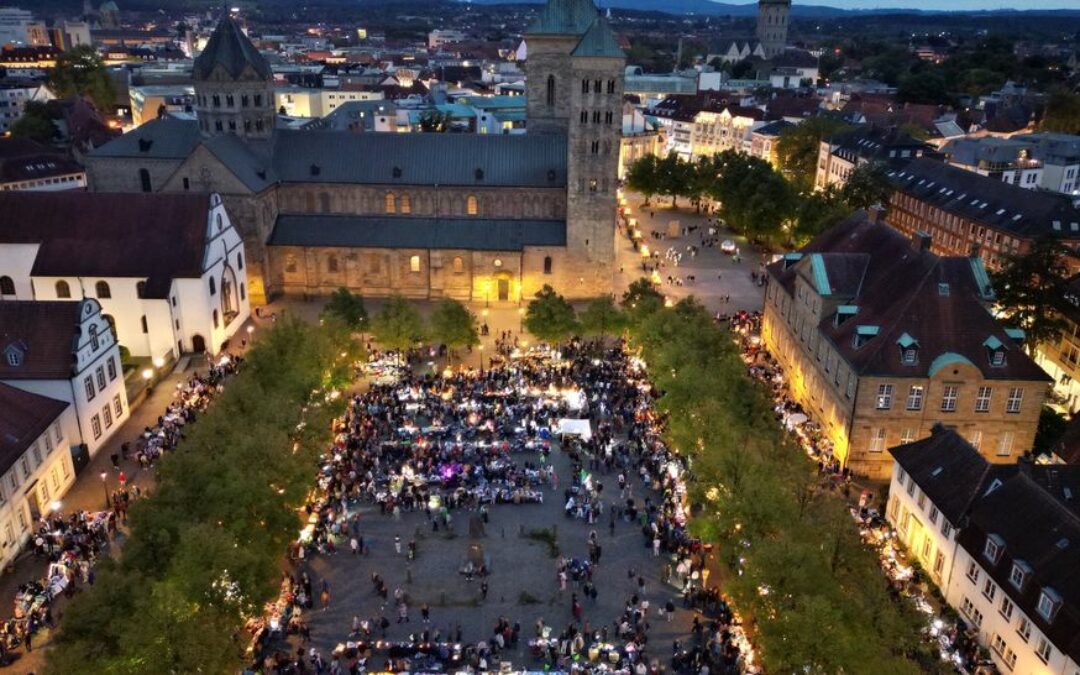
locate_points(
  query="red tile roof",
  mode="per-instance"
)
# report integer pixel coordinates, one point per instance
(158, 237)
(45, 333)
(23, 418)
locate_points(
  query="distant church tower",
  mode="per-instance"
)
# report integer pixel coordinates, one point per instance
(772, 25)
(574, 76)
(234, 86)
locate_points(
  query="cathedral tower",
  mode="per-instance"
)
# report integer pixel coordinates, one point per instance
(234, 91)
(574, 76)
(772, 26)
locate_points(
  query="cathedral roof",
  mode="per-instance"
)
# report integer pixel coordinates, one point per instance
(599, 40)
(230, 48)
(564, 17)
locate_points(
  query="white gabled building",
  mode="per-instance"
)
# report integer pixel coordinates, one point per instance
(35, 463)
(1002, 542)
(168, 269)
(67, 352)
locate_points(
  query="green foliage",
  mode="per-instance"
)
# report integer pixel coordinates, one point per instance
(866, 186)
(1062, 113)
(36, 124)
(602, 317)
(754, 199)
(453, 324)
(644, 177)
(125, 355)
(398, 325)
(550, 317)
(81, 72)
(433, 121)
(817, 212)
(796, 567)
(1052, 425)
(1027, 287)
(347, 307)
(923, 87)
(224, 509)
(798, 147)
(640, 300)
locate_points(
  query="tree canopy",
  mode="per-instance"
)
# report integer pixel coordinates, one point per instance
(81, 72)
(204, 551)
(602, 317)
(797, 149)
(866, 186)
(35, 124)
(1062, 113)
(1027, 287)
(348, 308)
(550, 317)
(454, 325)
(397, 325)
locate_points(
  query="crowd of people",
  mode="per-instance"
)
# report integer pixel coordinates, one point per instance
(466, 441)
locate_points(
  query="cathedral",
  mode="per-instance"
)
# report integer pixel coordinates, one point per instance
(471, 216)
(772, 32)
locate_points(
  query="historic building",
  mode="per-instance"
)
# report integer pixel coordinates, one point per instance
(1001, 543)
(167, 269)
(881, 339)
(772, 26)
(842, 153)
(476, 217)
(964, 212)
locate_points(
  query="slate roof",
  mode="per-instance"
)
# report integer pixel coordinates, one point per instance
(773, 128)
(898, 289)
(873, 143)
(166, 138)
(421, 159)
(239, 158)
(1003, 206)
(564, 17)
(23, 418)
(229, 48)
(599, 40)
(47, 334)
(410, 232)
(949, 471)
(1036, 514)
(156, 236)
(973, 151)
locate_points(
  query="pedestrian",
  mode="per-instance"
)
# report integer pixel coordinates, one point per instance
(425, 613)
(397, 545)
(483, 590)
(656, 547)
(354, 544)
(669, 610)
(324, 595)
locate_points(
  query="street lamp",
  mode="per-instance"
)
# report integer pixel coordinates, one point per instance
(481, 348)
(105, 487)
(521, 319)
(148, 375)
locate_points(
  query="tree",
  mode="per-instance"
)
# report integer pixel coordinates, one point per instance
(602, 317)
(550, 317)
(866, 186)
(1062, 113)
(454, 325)
(923, 87)
(81, 72)
(1052, 426)
(433, 121)
(798, 147)
(398, 325)
(644, 177)
(816, 213)
(1027, 287)
(348, 308)
(675, 176)
(640, 300)
(35, 124)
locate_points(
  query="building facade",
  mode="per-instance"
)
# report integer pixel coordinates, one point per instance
(1003, 540)
(772, 26)
(35, 463)
(66, 351)
(173, 288)
(881, 339)
(963, 212)
(842, 153)
(480, 217)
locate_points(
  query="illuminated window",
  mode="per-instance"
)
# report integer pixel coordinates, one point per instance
(414, 263)
(471, 206)
(406, 204)
(458, 265)
(391, 204)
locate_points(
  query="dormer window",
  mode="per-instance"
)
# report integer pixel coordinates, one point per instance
(845, 312)
(1049, 602)
(13, 356)
(791, 258)
(1019, 573)
(994, 546)
(863, 334)
(995, 351)
(909, 350)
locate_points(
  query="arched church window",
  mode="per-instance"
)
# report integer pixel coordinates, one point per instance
(551, 90)
(472, 207)
(391, 203)
(63, 289)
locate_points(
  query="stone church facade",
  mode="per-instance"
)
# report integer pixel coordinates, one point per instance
(474, 217)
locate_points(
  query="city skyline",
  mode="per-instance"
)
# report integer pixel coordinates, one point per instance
(947, 5)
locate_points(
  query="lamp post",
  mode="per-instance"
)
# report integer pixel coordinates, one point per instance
(521, 319)
(250, 330)
(481, 359)
(148, 375)
(105, 487)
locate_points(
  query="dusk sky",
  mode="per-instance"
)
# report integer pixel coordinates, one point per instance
(946, 4)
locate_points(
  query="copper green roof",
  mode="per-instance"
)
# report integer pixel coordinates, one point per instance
(564, 17)
(948, 359)
(599, 40)
(230, 48)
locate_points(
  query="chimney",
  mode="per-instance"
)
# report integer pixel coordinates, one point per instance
(921, 240)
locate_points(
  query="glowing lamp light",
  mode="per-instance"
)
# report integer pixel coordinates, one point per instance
(55, 506)
(147, 373)
(159, 362)
(668, 302)
(250, 329)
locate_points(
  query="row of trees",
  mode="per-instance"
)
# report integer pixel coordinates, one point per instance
(813, 594)
(205, 550)
(757, 200)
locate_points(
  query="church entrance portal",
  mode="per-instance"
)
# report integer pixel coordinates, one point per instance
(198, 344)
(504, 290)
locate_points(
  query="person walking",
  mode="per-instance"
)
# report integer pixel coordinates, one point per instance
(397, 545)
(324, 595)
